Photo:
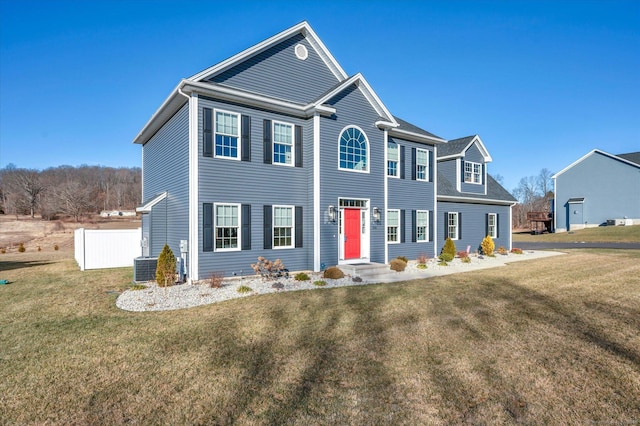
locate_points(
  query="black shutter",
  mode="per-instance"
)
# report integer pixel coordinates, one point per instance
(497, 225)
(414, 230)
(246, 227)
(431, 225)
(298, 148)
(207, 132)
(459, 225)
(207, 227)
(401, 165)
(402, 227)
(266, 135)
(446, 225)
(462, 171)
(268, 230)
(246, 138)
(486, 224)
(413, 164)
(299, 227)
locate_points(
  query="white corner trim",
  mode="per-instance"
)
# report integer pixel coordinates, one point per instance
(193, 259)
(435, 201)
(386, 195)
(316, 192)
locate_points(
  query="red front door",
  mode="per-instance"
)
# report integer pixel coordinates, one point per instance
(351, 233)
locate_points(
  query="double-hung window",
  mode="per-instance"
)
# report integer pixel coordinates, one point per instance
(492, 225)
(422, 225)
(452, 225)
(392, 159)
(283, 227)
(422, 164)
(227, 134)
(472, 172)
(282, 143)
(393, 226)
(227, 228)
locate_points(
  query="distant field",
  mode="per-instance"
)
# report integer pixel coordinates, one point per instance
(601, 234)
(550, 341)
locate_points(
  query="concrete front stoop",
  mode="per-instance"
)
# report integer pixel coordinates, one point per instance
(372, 272)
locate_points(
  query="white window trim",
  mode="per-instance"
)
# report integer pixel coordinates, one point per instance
(215, 227)
(397, 175)
(366, 138)
(215, 132)
(273, 227)
(426, 240)
(454, 238)
(493, 234)
(293, 143)
(473, 173)
(399, 226)
(426, 170)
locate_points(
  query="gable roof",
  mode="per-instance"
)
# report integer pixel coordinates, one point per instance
(496, 194)
(456, 148)
(302, 28)
(625, 158)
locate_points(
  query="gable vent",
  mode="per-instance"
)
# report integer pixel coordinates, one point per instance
(301, 52)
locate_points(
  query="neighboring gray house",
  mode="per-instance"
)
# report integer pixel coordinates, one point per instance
(277, 152)
(471, 203)
(596, 188)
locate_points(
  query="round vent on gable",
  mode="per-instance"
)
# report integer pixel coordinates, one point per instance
(301, 51)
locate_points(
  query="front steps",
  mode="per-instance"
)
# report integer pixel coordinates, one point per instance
(373, 272)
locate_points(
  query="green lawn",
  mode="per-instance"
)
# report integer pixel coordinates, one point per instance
(550, 341)
(601, 234)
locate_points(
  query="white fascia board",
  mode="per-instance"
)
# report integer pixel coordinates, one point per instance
(482, 148)
(471, 200)
(146, 208)
(416, 137)
(302, 28)
(169, 107)
(368, 93)
(450, 157)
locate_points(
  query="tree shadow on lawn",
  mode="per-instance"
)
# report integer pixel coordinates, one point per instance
(11, 265)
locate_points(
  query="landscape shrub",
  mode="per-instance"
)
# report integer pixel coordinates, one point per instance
(397, 265)
(301, 276)
(463, 254)
(445, 257)
(39, 249)
(21, 248)
(443, 263)
(215, 279)
(502, 250)
(333, 272)
(244, 289)
(269, 270)
(487, 245)
(166, 269)
(403, 258)
(138, 287)
(320, 283)
(449, 248)
(465, 259)
(422, 259)
(516, 250)
(55, 247)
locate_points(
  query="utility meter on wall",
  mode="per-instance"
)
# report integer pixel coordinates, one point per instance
(184, 246)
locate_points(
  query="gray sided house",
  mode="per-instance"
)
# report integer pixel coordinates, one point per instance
(471, 204)
(277, 152)
(596, 188)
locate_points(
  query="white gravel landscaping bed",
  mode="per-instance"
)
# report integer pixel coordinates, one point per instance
(154, 298)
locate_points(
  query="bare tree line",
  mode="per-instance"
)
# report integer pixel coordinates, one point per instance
(534, 194)
(69, 191)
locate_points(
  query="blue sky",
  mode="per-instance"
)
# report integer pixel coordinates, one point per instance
(541, 82)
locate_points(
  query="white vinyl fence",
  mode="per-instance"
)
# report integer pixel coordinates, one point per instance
(107, 248)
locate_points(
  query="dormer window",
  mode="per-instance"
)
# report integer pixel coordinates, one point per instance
(472, 172)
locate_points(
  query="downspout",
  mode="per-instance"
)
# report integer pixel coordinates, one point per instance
(190, 255)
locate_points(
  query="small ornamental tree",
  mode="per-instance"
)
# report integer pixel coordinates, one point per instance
(166, 269)
(487, 246)
(449, 248)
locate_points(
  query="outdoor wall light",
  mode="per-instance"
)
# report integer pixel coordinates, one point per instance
(376, 214)
(332, 213)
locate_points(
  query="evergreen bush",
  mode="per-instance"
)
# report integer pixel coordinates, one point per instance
(487, 246)
(166, 269)
(449, 247)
